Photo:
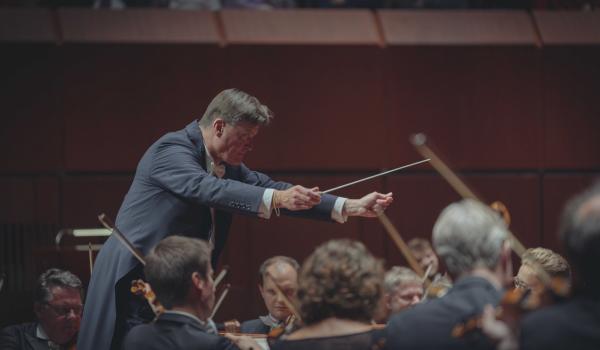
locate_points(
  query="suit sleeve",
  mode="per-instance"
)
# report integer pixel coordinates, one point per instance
(9, 339)
(176, 169)
(322, 211)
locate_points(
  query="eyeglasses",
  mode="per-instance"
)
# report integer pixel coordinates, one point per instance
(64, 311)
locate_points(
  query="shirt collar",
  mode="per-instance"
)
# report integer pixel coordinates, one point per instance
(212, 168)
(187, 314)
(209, 326)
(40, 333)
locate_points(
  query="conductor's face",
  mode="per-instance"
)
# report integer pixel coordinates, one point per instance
(233, 142)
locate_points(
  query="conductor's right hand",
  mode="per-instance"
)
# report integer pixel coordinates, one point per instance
(297, 198)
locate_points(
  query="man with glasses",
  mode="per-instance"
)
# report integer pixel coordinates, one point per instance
(551, 262)
(58, 306)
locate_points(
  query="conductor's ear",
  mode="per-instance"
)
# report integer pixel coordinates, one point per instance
(218, 126)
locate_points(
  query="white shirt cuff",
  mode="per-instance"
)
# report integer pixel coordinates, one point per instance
(265, 206)
(338, 210)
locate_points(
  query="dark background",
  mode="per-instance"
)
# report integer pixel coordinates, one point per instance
(509, 98)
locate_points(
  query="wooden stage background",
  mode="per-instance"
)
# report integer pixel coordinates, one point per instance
(510, 98)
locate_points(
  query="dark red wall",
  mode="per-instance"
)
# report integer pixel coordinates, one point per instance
(518, 118)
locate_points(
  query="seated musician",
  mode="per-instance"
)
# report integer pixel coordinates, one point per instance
(472, 241)
(283, 271)
(179, 271)
(574, 324)
(429, 261)
(340, 285)
(402, 288)
(57, 306)
(551, 262)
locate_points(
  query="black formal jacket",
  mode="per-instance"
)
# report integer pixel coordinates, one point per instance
(22, 337)
(574, 324)
(429, 325)
(176, 332)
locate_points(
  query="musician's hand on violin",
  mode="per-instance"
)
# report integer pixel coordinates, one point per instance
(243, 342)
(497, 330)
(297, 198)
(369, 205)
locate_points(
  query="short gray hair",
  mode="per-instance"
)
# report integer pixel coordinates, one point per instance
(397, 276)
(52, 278)
(233, 106)
(279, 259)
(580, 232)
(170, 265)
(469, 234)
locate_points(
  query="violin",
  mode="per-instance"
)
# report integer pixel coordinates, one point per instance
(285, 327)
(141, 288)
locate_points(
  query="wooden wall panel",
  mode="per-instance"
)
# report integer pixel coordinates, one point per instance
(77, 118)
(557, 190)
(568, 27)
(47, 199)
(328, 104)
(469, 27)
(18, 200)
(141, 25)
(480, 105)
(304, 27)
(118, 100)
(32, 131)
(27, 25)
(571, 107)
(85, 197)
(421, 198)
(29, 200)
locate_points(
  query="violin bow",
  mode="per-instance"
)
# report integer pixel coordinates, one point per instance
(220, 300)
(221, 275)
(288, 303)
(108, 223)
(90, 258)
(419, 141)
(402, 246)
